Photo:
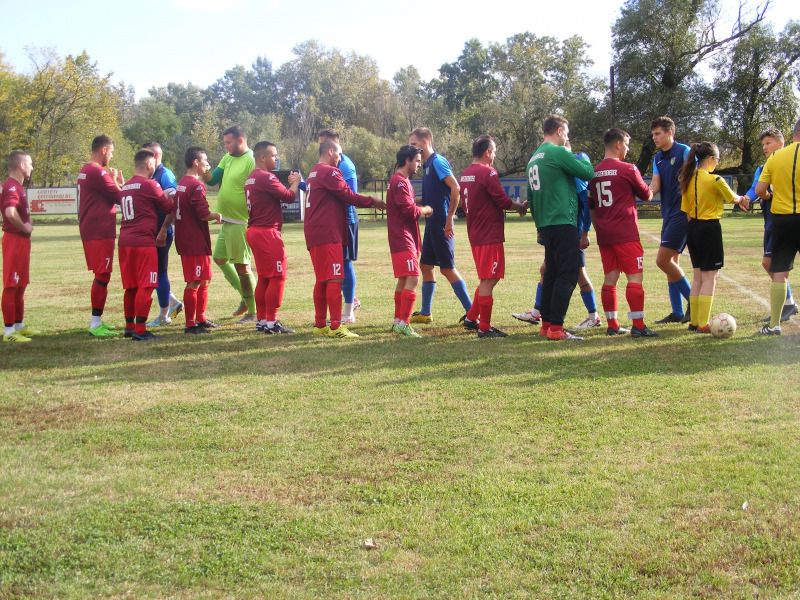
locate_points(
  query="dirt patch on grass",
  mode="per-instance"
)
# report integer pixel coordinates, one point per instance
(42, 418)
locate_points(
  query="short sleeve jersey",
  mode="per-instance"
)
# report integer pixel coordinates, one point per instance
(98, 196)
(141, 199)
(435, 192)
(484, 201)
(612, 197)
(231, 202)
(667, 165)
(166, 179)
(552, 196)
(782, 170)
(350, 176)
(192, 237)
(13, 194)
(264, 194)
(706, 195)
(402, 216)
(326, 197)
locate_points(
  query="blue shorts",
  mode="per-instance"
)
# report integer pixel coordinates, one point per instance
(351, 247)
(673, 232)
(163, 254)
(437, 250)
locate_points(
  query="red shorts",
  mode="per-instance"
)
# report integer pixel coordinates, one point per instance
(490, 261)
(138, 266)
(268, 251)
(405, 263)
(16, 259)
(327, 260)
(99, 255)
(196, 268)
(628, 257)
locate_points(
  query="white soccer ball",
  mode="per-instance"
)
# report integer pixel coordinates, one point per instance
(722, 325)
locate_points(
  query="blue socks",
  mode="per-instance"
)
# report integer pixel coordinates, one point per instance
(349, 284)
(788, 292)
(538, 301)
(427, 297)
(162, 291)
(589, 301)
(460, 288)
(675, 298)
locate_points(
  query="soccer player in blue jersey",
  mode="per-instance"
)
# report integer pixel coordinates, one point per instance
(771, 140)
(350, 176)
(440, 191)
(667, 165)
(169, 305)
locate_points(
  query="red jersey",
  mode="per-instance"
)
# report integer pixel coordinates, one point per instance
(98, 196)
(13, 194)
(192, 237)
(612, 197)
(402, 216)
(264, 194)
(326, 213)
(484, 202)
(141, 199)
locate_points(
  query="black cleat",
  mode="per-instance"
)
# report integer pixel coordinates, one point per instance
(643, 332)
(492, 332)
(147, 335)
(195, 329)
(618, 331)
(207, 324)
(670, 318)
(128, 332)
(473, 325)
(687, 316)
(278, 328)
(767, 330)
(787, 312)
(691, 327)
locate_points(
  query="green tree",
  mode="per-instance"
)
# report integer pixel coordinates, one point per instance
(15, 114)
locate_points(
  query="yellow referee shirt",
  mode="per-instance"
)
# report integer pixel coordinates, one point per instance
(782, 170)
(706, 195)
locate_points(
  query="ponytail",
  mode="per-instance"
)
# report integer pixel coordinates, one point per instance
(697, 154)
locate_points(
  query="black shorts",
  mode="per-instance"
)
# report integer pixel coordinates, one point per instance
(704, 239)
(785, 242)
(437, 249)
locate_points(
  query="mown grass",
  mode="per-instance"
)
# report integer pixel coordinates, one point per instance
(247, 466)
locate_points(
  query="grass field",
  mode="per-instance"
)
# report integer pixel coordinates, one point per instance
(239, 465)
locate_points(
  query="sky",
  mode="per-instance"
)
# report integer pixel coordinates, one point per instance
(150, 43)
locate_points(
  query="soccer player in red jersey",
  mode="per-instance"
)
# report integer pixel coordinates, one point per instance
(193, 240)
(141, 198)
(264, 194)
(612, 202)
(485, 203)
(98, 195)
(402, 225)
(17, 230)
(325, 229)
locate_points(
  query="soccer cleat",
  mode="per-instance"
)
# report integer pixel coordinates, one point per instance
(207, 324)
(28, 332)
(247, 319)
(195, 329)
(356, 303)
(101, 331)
(786, 313)
(107, 326)
(618, 331)
(589, 322)
(670, 318)
(562, 335)
(174, 310)
(417, 317)
(473, 325)
(321, 330)
(16, 337)
(241, 310)
(128, 332)
(159, 321)
(691, 327)
(767, 330)
(147, 335)
(406, 330)
(492, 332)
(341, 332)
(528, 317)
(706, 329)
(686, 315)
(278, 328)
(350, 319)
(643, 332)
(261, 327)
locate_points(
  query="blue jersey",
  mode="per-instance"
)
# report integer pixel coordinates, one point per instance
(350, 177)
(166, 179)
(435, 192)
(667, 165)
(766, 205)
(584, 216)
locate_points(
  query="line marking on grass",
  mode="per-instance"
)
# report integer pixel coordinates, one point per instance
(764, 302)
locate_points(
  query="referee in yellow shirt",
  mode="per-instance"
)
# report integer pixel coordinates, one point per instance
(703, 199)
(780, 182)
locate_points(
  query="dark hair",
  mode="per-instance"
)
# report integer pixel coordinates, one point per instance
(235, 131)
(101, 141)
(552, 124)
(698, 153)
(327, 145)
(151, 146)
(406, 153)
(773, 133)
(261, 147)
(422, 133)
(15, 159)
(140, 158)
(664, 123)
(481, 144)
(614, 135)
(328, 134)
(192, 154)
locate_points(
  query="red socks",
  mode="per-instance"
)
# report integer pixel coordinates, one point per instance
(129, 303)
(190, 305)
(261, 298)
(485, 303)
(202, 303)
(608, 297)
(144, 298)
(475, 310)
(100, 291)
(333, 295)
(274, 297)
(320, 303)
(634, 293)
(9, 303)
(407, 300)
(397, 304)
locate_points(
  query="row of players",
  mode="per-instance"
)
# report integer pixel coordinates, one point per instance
(611, 203)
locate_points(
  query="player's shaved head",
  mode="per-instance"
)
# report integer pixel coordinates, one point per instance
(141, 157)
(193, 153)
(614, 135)
(664, 123)
(15, 159)
(100, 142)
(328, 134)
(151, 146)
(236, 131)
(260, 149)
(327, 145)
(774, 133)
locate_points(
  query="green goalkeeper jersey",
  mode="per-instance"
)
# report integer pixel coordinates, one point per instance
(231, 202)
(552, 196)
